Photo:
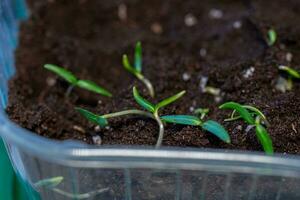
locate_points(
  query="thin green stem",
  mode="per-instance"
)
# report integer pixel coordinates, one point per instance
(128, 112)
(289, 85)
(147, 83)
(232, 119)
(143, 113)
(69, 90)
(79, 196)
(161, 130)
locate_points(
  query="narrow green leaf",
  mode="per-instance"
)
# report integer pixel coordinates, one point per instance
(182, 119)
(272, 36)
(264, 139)
(128, 66)
(142, 102)
(65, 74)
(290, 71)
(92, 86)
(169, 100)
(240, 109)
(49, 183)
(93, 117)
(256, 111)
(138, 57)
(216, 129)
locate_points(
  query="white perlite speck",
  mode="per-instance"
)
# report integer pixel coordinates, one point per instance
(156, 28)
(203, 52)
(97, 128)
(203, 83)
(186, 76)
(216, 13)
(190, 20)
(249, 72)
(51, 81)
(237, 24)
(192, 109)
(289, 57)
(122, 12)
(97, 140)
(248, 128)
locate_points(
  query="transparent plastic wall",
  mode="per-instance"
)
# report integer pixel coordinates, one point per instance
(54, 170)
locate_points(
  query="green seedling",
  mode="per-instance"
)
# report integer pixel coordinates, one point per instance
(152, 111)
(210, 125)
(292, 74)
(254, 117)
(136, 70)
(272, 37)
(201, 112)
(75, 82)
(52, 183)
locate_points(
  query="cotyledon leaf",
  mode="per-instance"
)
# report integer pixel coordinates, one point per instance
(216, 129)
(182, 119)
(240, 109)
(93, 87)
(65, 74)
(142, 102)
(93, 117)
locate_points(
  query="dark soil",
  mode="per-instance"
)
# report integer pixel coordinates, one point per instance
(88, 37)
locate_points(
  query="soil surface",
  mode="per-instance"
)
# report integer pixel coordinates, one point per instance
(183, 42)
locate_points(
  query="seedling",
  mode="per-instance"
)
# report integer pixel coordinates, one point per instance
(272, 37)
(292, 74)
(253, 117)
(52, 183)
(201, 112)
(136, 70)
(75, 82)
(152, 111)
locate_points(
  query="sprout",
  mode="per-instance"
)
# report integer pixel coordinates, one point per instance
(152, 111)
(254, 117)
(75, 82)
(272, 36)
(52, 183)
(292, 74)
(201, 112)
(137, 69)
(211, 126)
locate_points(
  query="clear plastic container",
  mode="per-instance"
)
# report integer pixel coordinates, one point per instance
(117, 172)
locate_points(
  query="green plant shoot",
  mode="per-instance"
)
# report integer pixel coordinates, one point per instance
(272, 37)
(136, 69)
(255, 117)
(75, 82)
(292, 74)
(152, 111)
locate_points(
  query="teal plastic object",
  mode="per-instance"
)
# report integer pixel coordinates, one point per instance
(11, 187)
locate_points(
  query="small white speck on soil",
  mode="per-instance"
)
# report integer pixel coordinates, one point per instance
(203, 52)
(192, 109)
(78, 128)
(122, 12)
(237, 24)
(156, 28)
(97, 128)
(190, 20)
(248, 128)
(97, 140)
(51, 81)
(186, 76)
(203, 83)
(215, 13)
(249, 72)
(289, 57)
